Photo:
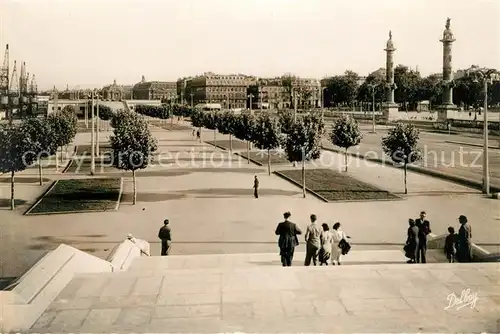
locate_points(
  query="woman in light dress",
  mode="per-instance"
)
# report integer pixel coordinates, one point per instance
(326, 245)
(337, 235)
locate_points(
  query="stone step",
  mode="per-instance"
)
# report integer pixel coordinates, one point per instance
(253, 299)
(355, 257)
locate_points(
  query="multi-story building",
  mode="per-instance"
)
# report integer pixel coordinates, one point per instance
(155, 90)
(269, 93)
(228, 90)
(116, 92)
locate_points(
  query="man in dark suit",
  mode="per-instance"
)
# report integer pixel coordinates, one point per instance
(164, 234)
(424, 228)
(288, 240)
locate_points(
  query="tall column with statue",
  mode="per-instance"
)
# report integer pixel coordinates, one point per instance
(447, 109)
(390, 108)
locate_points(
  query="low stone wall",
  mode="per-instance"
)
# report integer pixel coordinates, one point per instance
(23, 304)
(127, 252)
(437, 242)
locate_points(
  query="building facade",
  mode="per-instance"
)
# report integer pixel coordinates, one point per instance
(155, 90)
(116, 92)
(230, 91)
(269, 93)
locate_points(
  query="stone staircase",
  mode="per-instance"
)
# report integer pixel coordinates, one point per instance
(374, 291)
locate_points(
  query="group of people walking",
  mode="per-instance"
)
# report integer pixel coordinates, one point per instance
(322, 244)
(458, 247)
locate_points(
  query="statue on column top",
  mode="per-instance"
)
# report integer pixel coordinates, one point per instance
(390, 44)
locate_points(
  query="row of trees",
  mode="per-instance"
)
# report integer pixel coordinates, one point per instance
(164, 111)
(34, 139)
(411, 89)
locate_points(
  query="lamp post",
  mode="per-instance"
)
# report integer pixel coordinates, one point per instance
(251, 96)
(486, 75)
(97, 127)
(372, 87)
(323, 103)
(191, 100)
(92, 144)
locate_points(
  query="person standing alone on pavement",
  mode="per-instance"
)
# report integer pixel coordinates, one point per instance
(424, 228)
(256, 187)
(313, 242)
(166, 239)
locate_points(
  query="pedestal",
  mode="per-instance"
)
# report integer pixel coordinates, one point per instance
(390, 111)
(446, 112)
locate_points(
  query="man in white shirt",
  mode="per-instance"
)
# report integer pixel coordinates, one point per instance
(313, 242)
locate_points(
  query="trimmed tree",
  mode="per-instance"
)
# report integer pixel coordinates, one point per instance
(226, 126)
(244, 130)
(133, 146)
(266, 136)
(210, 121)
(303, 143)
(197, 119)
(400, 145)
(42, 136)
(285, 121)
(345, 134)
(64, 127)
(16, 154)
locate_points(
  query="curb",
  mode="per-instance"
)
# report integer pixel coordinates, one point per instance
(252, 160)
(286, 178)
(27, 212)
(471, 144)
(452, 178)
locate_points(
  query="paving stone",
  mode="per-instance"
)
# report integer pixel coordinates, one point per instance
(73, 304)
(147, 285)
(92, 287)
(134, 316)
(125, 301)
(299, 309)
(45, 320)
(68, 320)
(237, 311)
(71, 289)
(101, 317)
(329, 307)
(120, 286)
(167, 289)
(188, 311)
(189, 298)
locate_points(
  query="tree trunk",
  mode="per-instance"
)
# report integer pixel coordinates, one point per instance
(303, 177)
(12, 200)
(215, 137)
(200, 133)
(135, 188)
(248, 151)
(345, 156)
(57, 161)
(61, 154)
(269, 162)
(40, 172)
(406, 189)
(230, 144)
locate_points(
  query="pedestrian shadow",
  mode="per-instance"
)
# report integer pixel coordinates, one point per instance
(237, 192)
(127, 198)
(5, 203)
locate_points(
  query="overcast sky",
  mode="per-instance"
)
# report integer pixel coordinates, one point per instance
(89, 43)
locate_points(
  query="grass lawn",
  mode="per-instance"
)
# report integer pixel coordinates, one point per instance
(335, 186)
(237, 144)
(86, 149)
(79, 195)
(82, 166)
(277, 158)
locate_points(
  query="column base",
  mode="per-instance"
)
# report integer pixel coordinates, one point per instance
(446, 112)
(390, 111)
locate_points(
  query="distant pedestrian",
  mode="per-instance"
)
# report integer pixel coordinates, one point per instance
(288, 240)
(256, 187)
(326, 245)
(193, 132)
(337, 236)
(450, 245)
(313, 242)
(411, 247)
(198, 135)
(464, 244)
(424, 228)
(165, 236)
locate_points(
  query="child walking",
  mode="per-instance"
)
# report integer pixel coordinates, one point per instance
(450, 245)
